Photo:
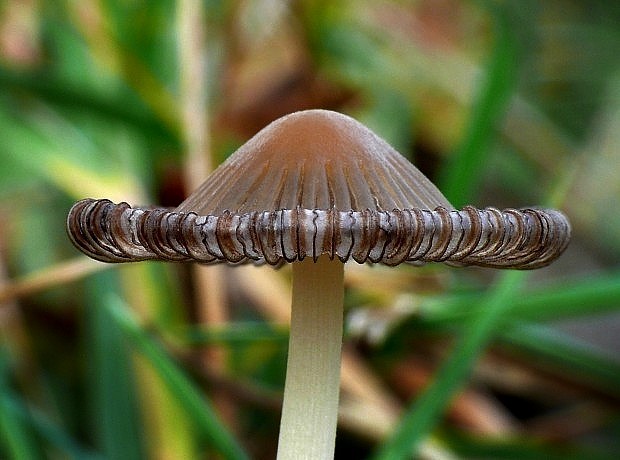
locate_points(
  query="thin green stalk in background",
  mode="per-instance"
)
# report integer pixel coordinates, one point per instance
(186, 393)
(556, 350)
(524, 327)
(517, 449)
(561, 300)
(251, 333)
(16, 437)
(38, 423)
(65, 95)
(423, 414)
(114, 401)
(462, 176)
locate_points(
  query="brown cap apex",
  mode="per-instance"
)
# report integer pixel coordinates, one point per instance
(314, 159)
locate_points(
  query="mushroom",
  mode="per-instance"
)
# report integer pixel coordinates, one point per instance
(317, 189)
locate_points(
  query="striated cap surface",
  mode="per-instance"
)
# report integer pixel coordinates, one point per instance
(318, 183)
(315, 159)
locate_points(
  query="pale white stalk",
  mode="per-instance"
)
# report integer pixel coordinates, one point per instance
(310, 409)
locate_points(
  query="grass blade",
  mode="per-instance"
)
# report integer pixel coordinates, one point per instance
(566, 299)
(49, 431)
(237, 333)
(519, 449)
(65, 94)
(186, 393)
(556, 350)
(421, 417)
(462, 173)
(117, 424)
(16, 438)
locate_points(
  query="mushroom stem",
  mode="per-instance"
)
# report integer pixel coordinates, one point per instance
(310, 408)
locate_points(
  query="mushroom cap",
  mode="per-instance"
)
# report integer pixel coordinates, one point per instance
(318, 183)
(314, 159)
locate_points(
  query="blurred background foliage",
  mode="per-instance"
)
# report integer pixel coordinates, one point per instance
(502, 103)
